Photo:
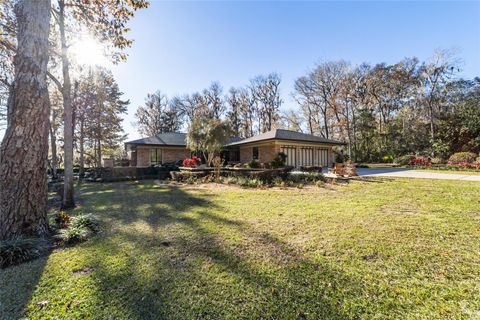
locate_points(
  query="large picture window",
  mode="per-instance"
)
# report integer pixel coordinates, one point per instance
(155, 156)
(255, 153)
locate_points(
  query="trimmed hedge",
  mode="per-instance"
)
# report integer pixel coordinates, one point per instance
(266, 175)
(127, 173)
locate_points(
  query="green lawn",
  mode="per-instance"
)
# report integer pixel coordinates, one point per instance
(384, 249)
(439, 170)
(463, 172)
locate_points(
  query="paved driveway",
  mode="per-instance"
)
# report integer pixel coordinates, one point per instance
(409, 173)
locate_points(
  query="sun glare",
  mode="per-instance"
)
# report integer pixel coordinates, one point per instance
(88, 51)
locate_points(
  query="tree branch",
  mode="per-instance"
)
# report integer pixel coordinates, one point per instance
(55, 80)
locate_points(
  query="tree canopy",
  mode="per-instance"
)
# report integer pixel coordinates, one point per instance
(208, 136)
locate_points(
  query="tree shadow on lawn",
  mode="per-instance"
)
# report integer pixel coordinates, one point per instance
(125, 204)
(203, 265)
(17, 284)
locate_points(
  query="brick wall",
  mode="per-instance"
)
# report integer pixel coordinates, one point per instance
(245, 154)
(266, 153)
(168, 155)
(171, 155)
(143, 156)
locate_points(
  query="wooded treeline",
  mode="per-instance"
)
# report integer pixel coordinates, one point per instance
(252, 109)
(381, 111)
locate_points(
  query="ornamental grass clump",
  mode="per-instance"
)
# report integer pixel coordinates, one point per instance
(88, 221)
(19, 250)
(80, 229)
(73, 235)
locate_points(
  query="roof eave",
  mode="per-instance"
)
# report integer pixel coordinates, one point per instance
(156, 144)
(284, 139)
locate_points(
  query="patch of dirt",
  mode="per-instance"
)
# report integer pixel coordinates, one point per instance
(166, 243)
(201, 186)
(82, 272)
(221, 186)
(370, 257)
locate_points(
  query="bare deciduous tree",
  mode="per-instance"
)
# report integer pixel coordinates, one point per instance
(214, 100)
(158, 115)
(265, 92)
(435, 74)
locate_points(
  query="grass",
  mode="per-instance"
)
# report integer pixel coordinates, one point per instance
(435, 169)
(463, 172)
(384, 249)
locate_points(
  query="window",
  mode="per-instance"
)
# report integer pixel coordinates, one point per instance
(255, 153)
(233, 155)
(155, 156)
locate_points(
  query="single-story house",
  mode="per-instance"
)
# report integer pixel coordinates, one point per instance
(301, 149)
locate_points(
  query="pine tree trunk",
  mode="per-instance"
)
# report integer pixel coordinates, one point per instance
(53, 145)
(81, 172)
(99, 153)
(24, 149)
(432, 127)
(95, 150)
(68, 196)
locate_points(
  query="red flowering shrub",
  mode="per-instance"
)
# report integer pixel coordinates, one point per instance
(420, 161)
(193, 162)
(465, 165)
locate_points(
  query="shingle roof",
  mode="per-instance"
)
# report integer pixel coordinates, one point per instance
(170, 139)
(167, 139)
(282, 134)
(179, 138)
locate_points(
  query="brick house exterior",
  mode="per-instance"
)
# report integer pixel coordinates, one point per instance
(301, 149)
(266, 152)
(167, 154)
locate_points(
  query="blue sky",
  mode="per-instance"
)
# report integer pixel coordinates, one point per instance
(181, 47)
